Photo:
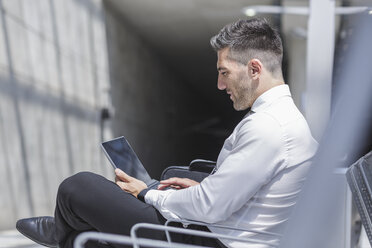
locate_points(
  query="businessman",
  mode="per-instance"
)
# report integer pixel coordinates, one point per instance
(259, 170)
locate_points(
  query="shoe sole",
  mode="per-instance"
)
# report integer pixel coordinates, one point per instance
(40, 243)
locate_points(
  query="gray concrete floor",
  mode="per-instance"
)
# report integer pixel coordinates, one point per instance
(13, 239)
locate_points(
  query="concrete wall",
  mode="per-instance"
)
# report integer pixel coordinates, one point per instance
(53, 82)
(157, 112)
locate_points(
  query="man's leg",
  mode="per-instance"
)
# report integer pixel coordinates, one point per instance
(87, 201)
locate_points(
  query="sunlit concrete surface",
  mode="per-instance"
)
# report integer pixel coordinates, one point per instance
(363, 242)
(12, 239)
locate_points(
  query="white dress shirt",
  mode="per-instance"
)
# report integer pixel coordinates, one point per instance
(260, 170)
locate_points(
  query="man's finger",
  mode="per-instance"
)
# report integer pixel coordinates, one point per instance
(176, 187)
(172, 180)
(121, 185)
(122, 175)
(162, 186)
(183, 182)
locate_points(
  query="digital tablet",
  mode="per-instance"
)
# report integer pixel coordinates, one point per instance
(121, 155)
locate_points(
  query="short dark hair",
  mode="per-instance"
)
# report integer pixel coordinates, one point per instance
(248, 39)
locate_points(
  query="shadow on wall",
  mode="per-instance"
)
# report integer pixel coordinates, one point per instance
(54, 82)
(164, 119)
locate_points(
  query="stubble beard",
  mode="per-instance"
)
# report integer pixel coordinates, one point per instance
(244, 95)
(243, 102)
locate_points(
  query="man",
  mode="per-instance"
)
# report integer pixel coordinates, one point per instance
(259, 170)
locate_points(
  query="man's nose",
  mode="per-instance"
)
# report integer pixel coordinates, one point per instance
(221, 85)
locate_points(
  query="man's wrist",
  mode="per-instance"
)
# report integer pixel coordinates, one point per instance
(141, 195)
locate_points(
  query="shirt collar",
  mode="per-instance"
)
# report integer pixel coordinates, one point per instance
(270, 96)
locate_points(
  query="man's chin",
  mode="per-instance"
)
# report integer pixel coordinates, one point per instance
(238, 107)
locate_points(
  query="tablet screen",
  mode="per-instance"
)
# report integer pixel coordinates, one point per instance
(122, 156)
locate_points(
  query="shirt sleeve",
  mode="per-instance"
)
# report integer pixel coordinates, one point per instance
(256, 156)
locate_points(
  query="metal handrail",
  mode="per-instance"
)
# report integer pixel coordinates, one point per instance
(82, 238)
(195, 233)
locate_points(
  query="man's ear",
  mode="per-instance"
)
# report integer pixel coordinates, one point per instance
(255, 68)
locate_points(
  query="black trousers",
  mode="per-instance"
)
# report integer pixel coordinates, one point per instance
(89, 202)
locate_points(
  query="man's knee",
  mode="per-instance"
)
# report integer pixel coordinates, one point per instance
(75, 184)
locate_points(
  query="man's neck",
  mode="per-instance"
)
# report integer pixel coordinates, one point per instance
(267, 85)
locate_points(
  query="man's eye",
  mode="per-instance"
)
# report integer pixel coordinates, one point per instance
(224, 73)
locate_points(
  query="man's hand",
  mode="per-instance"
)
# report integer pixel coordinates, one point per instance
(129, 184)
(177, 183)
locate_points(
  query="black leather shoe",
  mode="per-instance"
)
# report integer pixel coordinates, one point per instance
(39, 229)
